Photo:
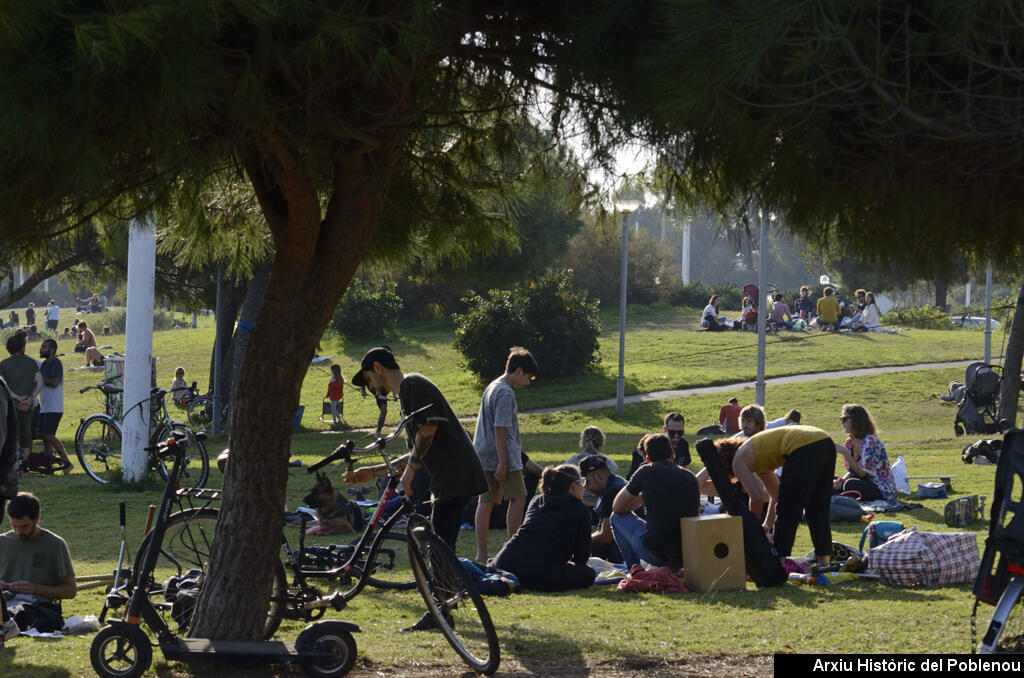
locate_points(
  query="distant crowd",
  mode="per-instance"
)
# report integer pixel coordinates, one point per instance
(826, 313)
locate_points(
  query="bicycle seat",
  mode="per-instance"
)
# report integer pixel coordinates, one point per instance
(110, 389)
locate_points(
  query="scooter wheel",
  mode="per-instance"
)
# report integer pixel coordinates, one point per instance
(331, 638)
(121, 651)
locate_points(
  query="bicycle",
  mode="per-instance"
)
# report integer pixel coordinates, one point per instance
(98, 439)
(374, 558)
(200, 412)
(123, 650)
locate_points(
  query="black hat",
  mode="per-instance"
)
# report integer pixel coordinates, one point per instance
(382, 355)
(593, 462)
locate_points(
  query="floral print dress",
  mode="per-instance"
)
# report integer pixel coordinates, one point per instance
(875, 460)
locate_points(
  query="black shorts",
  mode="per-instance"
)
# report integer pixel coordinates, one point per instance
(48, 422)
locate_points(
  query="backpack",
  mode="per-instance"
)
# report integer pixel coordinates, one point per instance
(878, 532)
(982, 452)
(844, 508)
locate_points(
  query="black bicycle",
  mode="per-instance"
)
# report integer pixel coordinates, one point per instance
(98, 438)
(382, 556)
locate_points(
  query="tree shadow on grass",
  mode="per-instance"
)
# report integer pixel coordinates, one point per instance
(10, 666)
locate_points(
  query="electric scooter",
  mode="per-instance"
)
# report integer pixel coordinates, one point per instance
(324, 649)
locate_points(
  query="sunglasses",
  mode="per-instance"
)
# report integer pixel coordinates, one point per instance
(582, 482)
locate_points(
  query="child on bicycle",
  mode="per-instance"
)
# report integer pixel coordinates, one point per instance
(336, 394)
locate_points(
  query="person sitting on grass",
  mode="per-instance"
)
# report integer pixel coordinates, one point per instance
(605, 485)
(866, 460)
(668, 493)
(35, 565)
(550, 550)
(591, 442)
(87, 345)
(179, 387)
(828, 310)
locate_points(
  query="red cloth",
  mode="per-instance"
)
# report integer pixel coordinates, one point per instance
(656, 580)
(730, 416)
(335, 389)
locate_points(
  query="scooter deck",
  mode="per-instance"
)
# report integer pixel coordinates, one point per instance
(237, 651)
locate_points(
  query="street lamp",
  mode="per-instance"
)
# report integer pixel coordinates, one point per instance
(626, 202)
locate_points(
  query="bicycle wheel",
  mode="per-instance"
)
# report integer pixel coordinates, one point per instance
(452, 598)
(188, 540)
(98, 446)
(195, 469)
(200, 413)
(390, 567)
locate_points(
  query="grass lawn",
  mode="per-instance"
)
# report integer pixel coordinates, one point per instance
(542, 630)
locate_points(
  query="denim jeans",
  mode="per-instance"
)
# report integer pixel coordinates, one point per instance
(629, 532)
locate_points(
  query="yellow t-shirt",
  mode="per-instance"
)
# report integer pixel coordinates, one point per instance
(828, 309)
(771, 447)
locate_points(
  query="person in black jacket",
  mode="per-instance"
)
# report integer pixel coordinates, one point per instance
(556, 530)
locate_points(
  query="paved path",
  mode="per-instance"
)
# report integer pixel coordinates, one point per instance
(723, 388)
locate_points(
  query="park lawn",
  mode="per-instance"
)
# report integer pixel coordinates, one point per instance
(541, 630)
(664, 351)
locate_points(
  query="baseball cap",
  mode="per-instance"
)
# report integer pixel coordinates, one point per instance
(593, 462)
(380, 354)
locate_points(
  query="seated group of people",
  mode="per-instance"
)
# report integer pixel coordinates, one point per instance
(827, 313)
(782, 467)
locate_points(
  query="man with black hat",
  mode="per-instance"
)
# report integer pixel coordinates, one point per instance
(437, 440)
(605, 485)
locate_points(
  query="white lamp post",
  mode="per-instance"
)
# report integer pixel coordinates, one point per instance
(626, 202)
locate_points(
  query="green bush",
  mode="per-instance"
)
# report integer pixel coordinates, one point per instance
(369, 310)
(559, 325)
(697, 294)
(922, 317)
(116, 321)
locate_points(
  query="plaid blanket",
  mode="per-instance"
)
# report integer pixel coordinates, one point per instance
(929, 558)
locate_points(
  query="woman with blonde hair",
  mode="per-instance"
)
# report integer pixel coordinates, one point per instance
(591, 443)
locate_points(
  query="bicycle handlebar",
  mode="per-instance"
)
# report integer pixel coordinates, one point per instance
(345, 450)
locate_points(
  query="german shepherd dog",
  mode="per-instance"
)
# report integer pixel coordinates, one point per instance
(334, 513)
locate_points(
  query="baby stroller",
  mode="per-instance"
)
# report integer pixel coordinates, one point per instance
(977, 401)
(749, 319)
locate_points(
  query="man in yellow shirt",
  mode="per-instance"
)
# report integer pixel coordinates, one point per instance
(828, 310)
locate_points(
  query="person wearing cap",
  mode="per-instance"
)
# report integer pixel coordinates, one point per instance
(668, 493)
(437, 440)
(605, 485)
(498, 444)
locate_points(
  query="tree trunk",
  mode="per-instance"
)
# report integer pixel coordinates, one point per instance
(313, 263)
(941, 293)
(256, 291)
(1009, 392)
(225, 322)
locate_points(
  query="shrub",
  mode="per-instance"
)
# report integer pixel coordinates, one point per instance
(697, 293)
(369, 310)
(117, 321)
(559, 325)
(922, 317)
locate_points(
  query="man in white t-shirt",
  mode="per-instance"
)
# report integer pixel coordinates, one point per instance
(52, 315)
(51, 401)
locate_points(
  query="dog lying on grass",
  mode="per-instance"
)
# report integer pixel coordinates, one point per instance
(335, 514)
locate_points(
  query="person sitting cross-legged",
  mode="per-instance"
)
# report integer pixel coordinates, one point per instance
(668, 493)
(605, 484)
(35, 565)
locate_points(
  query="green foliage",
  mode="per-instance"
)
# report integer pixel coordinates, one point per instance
(922, 317)
(116, 321)
(697, 294)
(369, 310)
(559, 325)
(595, 257)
